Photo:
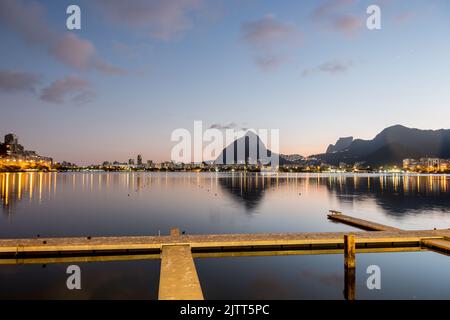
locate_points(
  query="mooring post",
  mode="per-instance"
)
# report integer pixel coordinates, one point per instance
(350, 284)
(349, 251)
(350, 265)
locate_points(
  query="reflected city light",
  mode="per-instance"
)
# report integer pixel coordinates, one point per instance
(16, 187)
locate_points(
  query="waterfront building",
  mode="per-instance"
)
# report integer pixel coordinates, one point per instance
(12, 150)
(409, 163)
(427, 165)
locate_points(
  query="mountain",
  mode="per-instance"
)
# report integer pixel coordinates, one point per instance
(248, 155)
(390, 147)
(341, 145)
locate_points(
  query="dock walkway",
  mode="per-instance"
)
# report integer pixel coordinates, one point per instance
(179, 279)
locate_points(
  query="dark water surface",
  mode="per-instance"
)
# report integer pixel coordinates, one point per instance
(101, 204)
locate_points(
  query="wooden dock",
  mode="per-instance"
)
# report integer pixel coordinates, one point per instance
(441, 245)
(359, 223)
(178, 277)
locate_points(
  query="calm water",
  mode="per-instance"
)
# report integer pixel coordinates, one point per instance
(94, 204)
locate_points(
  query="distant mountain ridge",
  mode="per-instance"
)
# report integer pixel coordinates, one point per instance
(390, 147)
(341, 145)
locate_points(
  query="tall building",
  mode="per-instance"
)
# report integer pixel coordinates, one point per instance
(139, 160)
(11, 138)
(131, 162)
(12, 145)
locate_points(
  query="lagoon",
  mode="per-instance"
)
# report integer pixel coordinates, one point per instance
(144, 203)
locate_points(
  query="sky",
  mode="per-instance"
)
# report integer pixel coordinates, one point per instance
(137, 70)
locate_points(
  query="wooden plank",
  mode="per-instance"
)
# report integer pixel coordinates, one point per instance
(359, 223)
(178, 279)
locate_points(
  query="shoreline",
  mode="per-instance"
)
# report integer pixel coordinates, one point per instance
(303, 173)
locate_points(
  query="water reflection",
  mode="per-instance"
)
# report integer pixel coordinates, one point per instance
(81, 204)
(100, 280)
(395, 194)
(16, 187)
(247, 189)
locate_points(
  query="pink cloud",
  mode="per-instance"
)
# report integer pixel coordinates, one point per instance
(11, 81)
(335, 66)
(28, 20)
(268, 32)
(330, 7)
(268, 37)
(73, 51)
(330, 67)
(404, 17)
(77, 89)
(269, 63)
(107, 68)
(333, 14)
(161, 19)
(348, 24)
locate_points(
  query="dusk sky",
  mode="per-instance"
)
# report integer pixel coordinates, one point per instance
(137, 70)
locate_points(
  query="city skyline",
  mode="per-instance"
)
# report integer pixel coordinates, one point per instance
(429, 153)
(119, 87)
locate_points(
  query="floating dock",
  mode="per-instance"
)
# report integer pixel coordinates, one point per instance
(359, 223)
(178, 277)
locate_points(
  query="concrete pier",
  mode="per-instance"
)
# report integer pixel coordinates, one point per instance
(178, 278)
(215, 242)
